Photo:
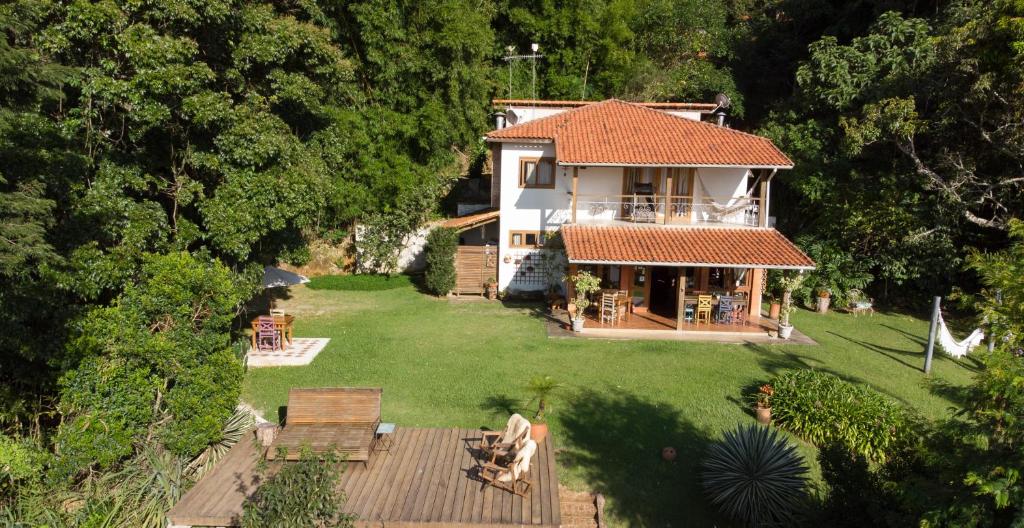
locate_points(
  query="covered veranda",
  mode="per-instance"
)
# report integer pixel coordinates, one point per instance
(658, 275)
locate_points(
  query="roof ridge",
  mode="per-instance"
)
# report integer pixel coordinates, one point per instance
(552, 117)
(705, 123)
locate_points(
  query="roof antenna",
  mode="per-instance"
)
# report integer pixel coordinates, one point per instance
(533, 56)
(722, 102)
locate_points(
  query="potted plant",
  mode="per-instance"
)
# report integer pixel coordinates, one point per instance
(541, 387)
(585, 284)
(774, 306)
(763, 404)
(491, 286)
(824, 297)
(788, 283)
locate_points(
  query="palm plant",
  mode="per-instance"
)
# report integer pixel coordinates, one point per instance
(241, 421)
(541, 387)
(755, 476)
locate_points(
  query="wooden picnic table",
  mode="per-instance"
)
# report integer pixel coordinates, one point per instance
(282, 323)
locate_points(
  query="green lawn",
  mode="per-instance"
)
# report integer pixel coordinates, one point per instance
(464, 364)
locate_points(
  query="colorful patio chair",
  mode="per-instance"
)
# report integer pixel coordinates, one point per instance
(688, 312)
(725, 309)
(267, 337)
(704, 309)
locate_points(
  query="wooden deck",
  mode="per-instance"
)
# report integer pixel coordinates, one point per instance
(428, 477)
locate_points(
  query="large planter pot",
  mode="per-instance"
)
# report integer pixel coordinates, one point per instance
(577, 325)
(538, 432)
(785, 331)
(823, 303)
(764, 414)
(774, 310)
(492, 291)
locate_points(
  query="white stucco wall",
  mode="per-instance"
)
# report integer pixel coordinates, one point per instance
(547, 209)
(528, 209)
(517, 115)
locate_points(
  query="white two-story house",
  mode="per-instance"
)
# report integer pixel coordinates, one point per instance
(648, 196)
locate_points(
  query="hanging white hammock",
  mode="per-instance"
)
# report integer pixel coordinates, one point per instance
(958, 349)
(739, 202)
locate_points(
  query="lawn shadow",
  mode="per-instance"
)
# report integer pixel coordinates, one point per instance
(922, 341)
(775, 361)
(888, 352)
(501, 405)
(615, 439)
(955, 394)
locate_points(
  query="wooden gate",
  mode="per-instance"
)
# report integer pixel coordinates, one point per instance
(473, 266)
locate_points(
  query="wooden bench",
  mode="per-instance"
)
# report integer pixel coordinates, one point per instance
(343, 419)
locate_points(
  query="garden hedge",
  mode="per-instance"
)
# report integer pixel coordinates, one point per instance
(439, 276)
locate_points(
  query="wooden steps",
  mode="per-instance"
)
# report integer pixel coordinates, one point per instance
(578, 508)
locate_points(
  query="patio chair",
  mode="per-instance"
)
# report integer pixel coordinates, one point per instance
(267, 337)
(688, 312)
(739, 314)
(860, 303)
(609, 312)
(704, 309)
(509, 477)
(725, 309)
(494, 445)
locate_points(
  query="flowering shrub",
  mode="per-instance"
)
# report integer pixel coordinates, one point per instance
(823, 409)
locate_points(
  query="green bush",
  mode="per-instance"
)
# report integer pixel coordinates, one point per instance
(755, 476)
(440, 254)
(364, 282)
(302, 494)
(822, 409)
(20, 462)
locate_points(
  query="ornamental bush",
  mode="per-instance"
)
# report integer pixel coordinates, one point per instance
(440, 256)
(822, 409)
(755, 476)
(302, 494)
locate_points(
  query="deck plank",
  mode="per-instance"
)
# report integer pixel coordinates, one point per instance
(427, 478)
(419, 485)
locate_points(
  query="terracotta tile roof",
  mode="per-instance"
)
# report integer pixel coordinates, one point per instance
(471, 220)
(714, 246)
(619, 133)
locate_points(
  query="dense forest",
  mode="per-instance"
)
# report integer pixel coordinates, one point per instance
(154, 156)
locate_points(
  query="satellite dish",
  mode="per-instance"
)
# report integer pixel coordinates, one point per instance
(722, 100)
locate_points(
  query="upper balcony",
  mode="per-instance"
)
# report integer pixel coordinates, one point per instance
(744, 211)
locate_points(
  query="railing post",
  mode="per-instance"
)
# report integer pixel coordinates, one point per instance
(762, 213)
(668, 194)
(575, 185)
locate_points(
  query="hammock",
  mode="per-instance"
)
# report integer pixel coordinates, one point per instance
(741, 203)
(958, 349)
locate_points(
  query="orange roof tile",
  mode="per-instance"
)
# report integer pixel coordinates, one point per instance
(615, 132)
(682, 246)
(471, 220)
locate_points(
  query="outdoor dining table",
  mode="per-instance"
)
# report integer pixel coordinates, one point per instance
(282, 323)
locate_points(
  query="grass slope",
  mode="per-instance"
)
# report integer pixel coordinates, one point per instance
(464, 364)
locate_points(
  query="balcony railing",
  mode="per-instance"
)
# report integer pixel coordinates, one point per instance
(662, 209)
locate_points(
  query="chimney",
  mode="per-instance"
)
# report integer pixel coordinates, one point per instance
(499, 120)
(720, 116)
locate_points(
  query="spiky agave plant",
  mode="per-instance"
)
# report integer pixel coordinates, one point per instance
(755, 476)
